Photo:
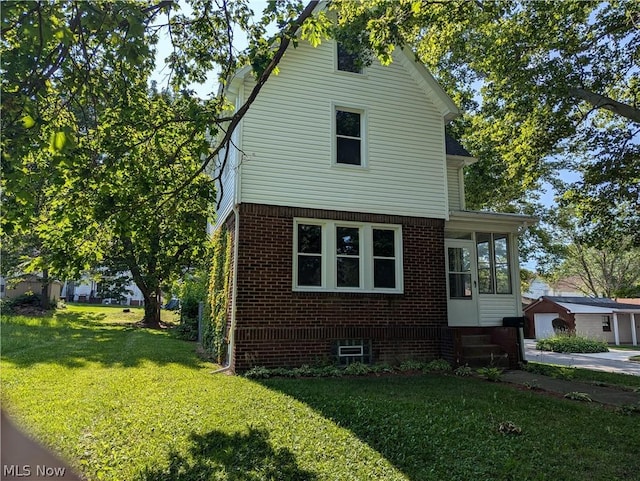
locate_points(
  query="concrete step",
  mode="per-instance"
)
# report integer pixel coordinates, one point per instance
(475, 339)
(486, 360)
(481, 349)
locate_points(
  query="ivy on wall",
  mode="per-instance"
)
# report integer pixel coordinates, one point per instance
(215, 333)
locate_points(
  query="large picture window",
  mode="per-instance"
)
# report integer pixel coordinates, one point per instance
(339, 256)
(494, 266)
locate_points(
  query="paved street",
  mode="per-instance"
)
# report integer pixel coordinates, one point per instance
(612, 361)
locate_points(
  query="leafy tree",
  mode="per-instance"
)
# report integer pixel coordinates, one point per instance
(610, 272)
(612, 269)
(101, 171)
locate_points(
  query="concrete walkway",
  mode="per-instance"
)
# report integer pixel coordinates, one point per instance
(616, 360)
(604, 395)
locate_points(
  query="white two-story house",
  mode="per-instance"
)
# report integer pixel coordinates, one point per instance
(345, 203)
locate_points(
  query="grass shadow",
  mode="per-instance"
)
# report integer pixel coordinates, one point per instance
(73, 339)
(235, 457)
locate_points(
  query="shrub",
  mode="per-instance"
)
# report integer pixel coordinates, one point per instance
(437, 365)
(28, 300)
(258, 372)
(574, 344)
(578, 396)
(463, 371)
(357, 369)
(492, 374)
(508, 427)
(410, 366)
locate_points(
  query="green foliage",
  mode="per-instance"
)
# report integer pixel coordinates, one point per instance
(569, 343)
(509, 428)
(578, 396)
(463, 371)
(437, 365)
(410, 365)
(26, 300)
(192, 290)
(215, 332)
(357, 369)
(493, 374)
(98, 170)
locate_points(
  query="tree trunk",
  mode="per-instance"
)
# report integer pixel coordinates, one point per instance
(44, 291)
(151, 309)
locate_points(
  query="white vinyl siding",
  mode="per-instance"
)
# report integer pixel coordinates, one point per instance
(492, 308)
(287, 136)
(226, 191)
(453, 187)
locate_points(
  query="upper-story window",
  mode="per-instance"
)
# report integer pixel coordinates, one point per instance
(349, 128)
(347, 62)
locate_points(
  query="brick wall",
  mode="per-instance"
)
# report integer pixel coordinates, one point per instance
(278, 327)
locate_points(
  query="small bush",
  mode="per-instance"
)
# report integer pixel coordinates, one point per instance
(492, 374)
(357, 369)
(507, 427)
(437, 365)
(258, 372)
(629, 409)
(410, 366)
(463, 371)
(578, 396)
(572, 344)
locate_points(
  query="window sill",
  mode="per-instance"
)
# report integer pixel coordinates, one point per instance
(348, 292)
(362, 168)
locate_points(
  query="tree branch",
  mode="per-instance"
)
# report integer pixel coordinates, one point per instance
(602, 102)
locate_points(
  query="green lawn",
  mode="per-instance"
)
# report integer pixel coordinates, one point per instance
(122, 403)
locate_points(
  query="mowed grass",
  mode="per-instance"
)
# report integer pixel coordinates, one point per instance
(122, 403)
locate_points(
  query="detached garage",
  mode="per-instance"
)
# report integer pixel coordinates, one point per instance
(595, 318)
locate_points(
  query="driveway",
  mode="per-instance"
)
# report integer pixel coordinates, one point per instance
(616, 360)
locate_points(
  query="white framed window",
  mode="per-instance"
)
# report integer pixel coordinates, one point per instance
(606, 323)
(347, 256)
(349, 128)
(346, 61)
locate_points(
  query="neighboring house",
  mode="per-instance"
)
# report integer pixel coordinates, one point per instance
(350, 239)
(595, 318)
(87, 290)
(30, 283)
(563, 287)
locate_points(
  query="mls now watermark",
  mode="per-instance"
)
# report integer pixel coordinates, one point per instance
(26, 471)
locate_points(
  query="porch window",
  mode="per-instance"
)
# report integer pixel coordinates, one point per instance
(606, 323)
(494, 266)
